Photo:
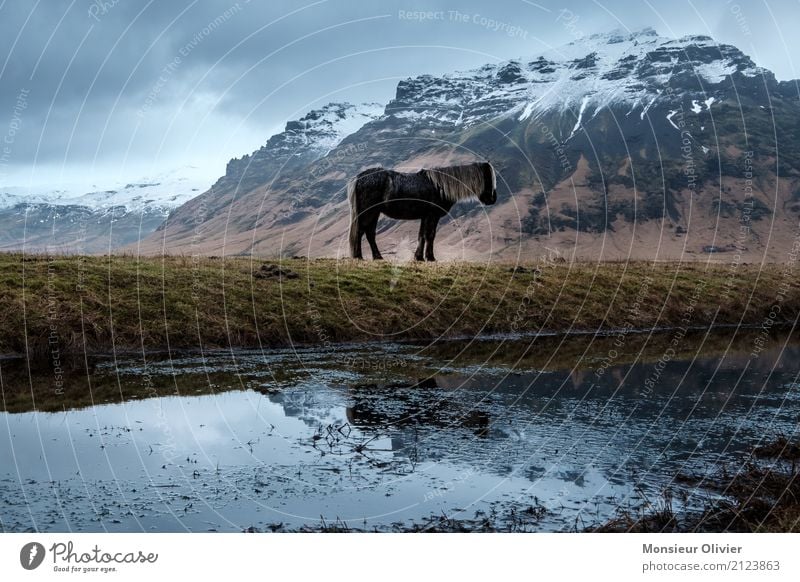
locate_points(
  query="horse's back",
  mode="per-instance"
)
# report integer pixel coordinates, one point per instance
(370, 171)
(373, 179)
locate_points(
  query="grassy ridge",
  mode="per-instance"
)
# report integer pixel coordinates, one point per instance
(97, 304)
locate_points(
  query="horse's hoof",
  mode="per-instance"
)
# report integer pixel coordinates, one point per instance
(378, 258)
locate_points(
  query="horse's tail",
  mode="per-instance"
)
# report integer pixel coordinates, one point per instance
(353, 199)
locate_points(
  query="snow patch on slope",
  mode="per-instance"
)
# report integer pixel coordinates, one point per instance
(670, 115)
(338, 120)
(577, 126)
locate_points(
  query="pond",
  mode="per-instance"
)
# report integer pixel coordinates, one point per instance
(518, 434)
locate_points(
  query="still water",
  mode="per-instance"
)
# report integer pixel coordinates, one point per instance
(555, 434)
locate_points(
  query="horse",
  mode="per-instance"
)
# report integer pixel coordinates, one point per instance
(427, 196)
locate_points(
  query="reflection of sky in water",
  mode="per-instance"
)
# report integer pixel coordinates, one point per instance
(375, 452)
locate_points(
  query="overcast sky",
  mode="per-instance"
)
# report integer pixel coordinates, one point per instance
(109, 90)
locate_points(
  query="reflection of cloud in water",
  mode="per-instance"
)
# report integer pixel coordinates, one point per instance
(313, 404)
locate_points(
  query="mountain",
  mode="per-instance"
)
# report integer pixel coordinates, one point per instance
(86, 219)
(616, 145)
(304, 141)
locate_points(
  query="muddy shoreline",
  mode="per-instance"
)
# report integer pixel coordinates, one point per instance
(348, 345)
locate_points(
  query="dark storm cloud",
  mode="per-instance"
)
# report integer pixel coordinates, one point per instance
(107, 80)
(87, 59)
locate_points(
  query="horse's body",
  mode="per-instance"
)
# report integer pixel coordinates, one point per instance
(427, 196)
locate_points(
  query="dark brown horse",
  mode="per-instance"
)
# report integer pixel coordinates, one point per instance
(427, 196)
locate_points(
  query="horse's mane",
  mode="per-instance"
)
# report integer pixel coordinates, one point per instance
(458, 182)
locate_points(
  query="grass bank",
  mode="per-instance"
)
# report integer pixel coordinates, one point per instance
(98, 304)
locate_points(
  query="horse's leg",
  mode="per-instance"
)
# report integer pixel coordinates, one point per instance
(430, 234)
(355, 236)
(354, 196)
(371, 224)
(418, 254)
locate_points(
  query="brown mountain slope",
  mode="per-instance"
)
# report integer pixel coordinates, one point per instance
(478, 233)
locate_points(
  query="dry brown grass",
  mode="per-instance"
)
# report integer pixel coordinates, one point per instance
(96, 304)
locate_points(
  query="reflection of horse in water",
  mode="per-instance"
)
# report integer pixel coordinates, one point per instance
(396, 406)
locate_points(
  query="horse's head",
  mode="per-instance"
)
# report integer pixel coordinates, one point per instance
(489, 193)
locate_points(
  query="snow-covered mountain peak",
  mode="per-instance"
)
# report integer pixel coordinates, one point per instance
(625, 68)
(620, 35)
(646, 35)
(160, 191)
(326, 127)
(303, 140)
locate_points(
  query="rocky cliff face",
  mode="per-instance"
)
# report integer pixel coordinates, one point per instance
(613, 146)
